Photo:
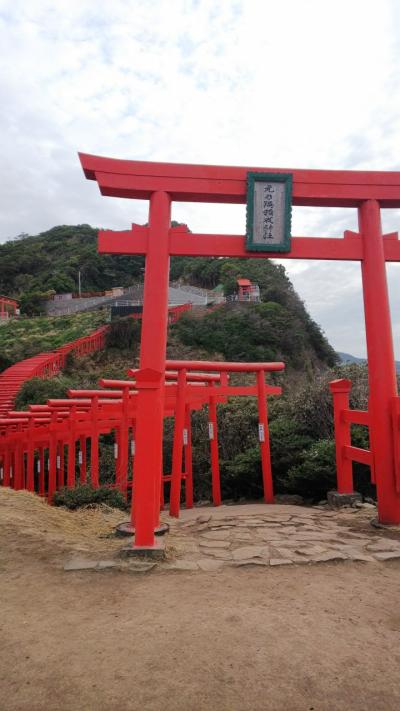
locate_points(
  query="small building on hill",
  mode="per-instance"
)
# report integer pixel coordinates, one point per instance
(247, 291)
(8, 308)
(115, 291)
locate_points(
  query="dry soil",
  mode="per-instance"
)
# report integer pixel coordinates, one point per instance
(293, 638)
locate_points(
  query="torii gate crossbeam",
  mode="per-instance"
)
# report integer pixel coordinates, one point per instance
(161, 183)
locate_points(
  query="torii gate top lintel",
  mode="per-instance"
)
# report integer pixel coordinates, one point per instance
(227, 184)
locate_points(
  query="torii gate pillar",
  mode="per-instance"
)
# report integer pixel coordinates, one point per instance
(381, 363)
(150, 409)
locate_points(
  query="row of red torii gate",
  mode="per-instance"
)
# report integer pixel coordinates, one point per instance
(148, 396)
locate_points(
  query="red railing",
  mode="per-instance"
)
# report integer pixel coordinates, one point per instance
(346, 454)
(174, 313)
(45, 365)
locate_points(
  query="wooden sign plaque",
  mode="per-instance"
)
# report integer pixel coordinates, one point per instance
(269, 212)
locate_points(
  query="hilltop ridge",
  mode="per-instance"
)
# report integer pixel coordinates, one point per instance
(280, 327)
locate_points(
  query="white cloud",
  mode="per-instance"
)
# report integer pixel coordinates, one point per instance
(252, 82)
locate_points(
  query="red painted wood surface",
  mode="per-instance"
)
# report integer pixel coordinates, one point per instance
(45, 448)
(346, 454)
(186, 244)
(227, 184)
(381, 371)
(8, 307)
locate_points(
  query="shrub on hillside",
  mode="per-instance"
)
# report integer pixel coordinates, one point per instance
(37, 391)
(4, 362)
(32, 302)
(315, 474)
(287, 443)
(107, 461)
(242, 476)
(124, 333)
(86, 494)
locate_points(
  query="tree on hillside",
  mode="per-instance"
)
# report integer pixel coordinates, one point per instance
(52, 259)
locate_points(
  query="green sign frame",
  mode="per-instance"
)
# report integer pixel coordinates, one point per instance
(285, 244)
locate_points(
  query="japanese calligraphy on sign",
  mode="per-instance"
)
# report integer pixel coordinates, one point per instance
(269, 206)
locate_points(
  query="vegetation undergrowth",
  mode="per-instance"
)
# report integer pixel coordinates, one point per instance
(86, 495)
(26, 337)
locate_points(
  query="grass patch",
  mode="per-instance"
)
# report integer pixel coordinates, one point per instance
(26, 337)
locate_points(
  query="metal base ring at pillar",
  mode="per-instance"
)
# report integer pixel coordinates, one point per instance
(126, 529)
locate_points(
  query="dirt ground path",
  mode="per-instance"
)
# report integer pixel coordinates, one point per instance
(307, 638)
(317, 636)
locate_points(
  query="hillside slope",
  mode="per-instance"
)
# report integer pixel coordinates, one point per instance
(34, 265)
(51, 260)
(23, 338)
(279, 328)
(257, 332)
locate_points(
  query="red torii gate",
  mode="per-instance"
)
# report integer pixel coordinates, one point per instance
(8, 307)
(161, 183)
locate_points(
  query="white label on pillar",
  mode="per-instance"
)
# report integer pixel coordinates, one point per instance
(133, 448)
(48, 463)
(38, 466)
(185, 437)
(80, 457)
(58, 461)
(211, 430)
(11, 471)
(261, 432)
(115, 450)
(1, 473)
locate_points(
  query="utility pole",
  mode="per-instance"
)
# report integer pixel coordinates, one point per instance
(79, 283)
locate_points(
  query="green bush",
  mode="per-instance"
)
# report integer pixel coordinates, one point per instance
(315, 474)
(242, 476)
(4, 362)
(32, 303)
(124, 334)
(37, 391)
(288, 443)
(107, 460)
(87, 494)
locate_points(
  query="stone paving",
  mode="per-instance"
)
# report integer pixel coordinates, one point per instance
(257, 534)
(210, 539)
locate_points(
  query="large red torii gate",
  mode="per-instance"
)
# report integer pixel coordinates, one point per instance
(162, 183)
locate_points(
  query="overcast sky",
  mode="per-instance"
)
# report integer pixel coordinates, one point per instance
(285, 83)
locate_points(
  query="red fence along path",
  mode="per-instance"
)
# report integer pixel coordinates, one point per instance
(174, 313)
(45, 365)
(346, 454)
